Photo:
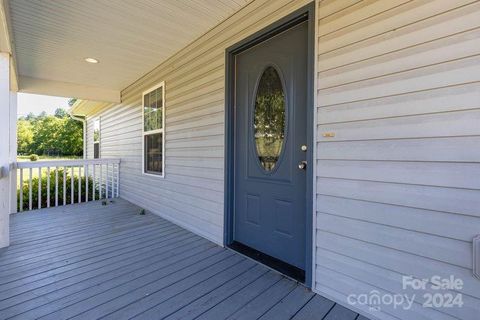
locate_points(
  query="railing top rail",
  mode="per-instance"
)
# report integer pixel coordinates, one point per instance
(61, 163)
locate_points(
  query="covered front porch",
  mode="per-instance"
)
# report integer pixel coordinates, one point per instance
(109, 260)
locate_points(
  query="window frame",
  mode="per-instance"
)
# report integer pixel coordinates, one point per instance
(99, 137)
(162, 130)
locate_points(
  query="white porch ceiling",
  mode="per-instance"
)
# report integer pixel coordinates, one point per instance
(52, 38)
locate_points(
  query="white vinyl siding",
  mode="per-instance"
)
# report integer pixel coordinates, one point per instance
(191, 194)
(397, 186)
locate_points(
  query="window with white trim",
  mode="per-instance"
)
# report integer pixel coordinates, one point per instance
(153, 102)
(96, 139)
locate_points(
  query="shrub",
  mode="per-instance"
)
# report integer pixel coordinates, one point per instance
(33, 157)
(68, 189)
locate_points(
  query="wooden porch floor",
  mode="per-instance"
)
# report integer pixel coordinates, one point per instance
(89, 261)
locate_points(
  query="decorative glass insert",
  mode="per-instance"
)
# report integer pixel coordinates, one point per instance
(269, 118)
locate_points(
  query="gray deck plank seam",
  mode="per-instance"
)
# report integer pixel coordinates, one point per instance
(76, 275)
(60, 219)
(246, 302)
(64, 218)
(87, 261)
(85, 244)
(202, 269)
(132, 280)
(53, 233)
(94, 286)
(238, 289)
(270, 308)
(293, 316)
(229, 266)
(74, 266)
(199, 297)
(83, 257)
(54, 226)
(331, 308)
(111, 236)
(121, 275)
(16, 248)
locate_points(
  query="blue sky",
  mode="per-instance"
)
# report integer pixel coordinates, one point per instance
(35, 103)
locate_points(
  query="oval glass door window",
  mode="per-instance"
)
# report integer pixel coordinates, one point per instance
(269, 118)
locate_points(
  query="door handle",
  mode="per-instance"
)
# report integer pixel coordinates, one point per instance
(302, 165)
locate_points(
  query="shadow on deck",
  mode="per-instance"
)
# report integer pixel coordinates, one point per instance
(89, 261)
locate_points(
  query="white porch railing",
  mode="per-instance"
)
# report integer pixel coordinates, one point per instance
(45, 184)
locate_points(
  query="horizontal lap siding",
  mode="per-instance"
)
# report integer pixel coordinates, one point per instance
(89, 137)
(192, 192)
(398, 83)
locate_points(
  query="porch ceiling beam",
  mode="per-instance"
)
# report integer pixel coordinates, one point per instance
(66, 89)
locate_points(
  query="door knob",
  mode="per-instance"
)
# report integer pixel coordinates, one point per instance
(302, 165)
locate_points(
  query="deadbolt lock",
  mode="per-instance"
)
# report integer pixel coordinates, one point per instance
(303, 148)
(302, 165)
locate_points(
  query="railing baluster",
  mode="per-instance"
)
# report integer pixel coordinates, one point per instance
(113, 180)
(118, 179)
(106, 180)
(94, 181)
(104, 174)
(56, 186)
(39, 187)
(21, 191)
(48, 187)
(100, 178)
(86, 183)
(72, 185)
(64, 185)
(30, 190)
(79, 184)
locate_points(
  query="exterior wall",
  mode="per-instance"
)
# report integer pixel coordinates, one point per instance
(398, 187)
(89, 136)
(191, 194)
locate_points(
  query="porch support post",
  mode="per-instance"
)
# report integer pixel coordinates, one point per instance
(13, 151)
(7, 127)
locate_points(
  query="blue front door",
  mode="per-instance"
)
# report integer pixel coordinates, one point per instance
(270, 146)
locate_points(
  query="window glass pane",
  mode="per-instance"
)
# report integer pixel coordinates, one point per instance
(96, 131)
(96, 150)
(153, 102)
(269, 118)
(153, 153)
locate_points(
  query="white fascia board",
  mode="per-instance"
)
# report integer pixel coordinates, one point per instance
(66, 89)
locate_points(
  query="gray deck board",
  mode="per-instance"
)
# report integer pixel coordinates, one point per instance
(89, 261)
(317, 308)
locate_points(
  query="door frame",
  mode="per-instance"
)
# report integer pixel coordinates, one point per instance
(306, 13)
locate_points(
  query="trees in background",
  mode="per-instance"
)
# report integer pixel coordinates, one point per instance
(44, 134)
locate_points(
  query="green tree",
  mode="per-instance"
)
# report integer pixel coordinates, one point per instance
(24, 136)
(72, 101)
(61, 113)
(70, 137)
(46, 134)
(55, 134)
